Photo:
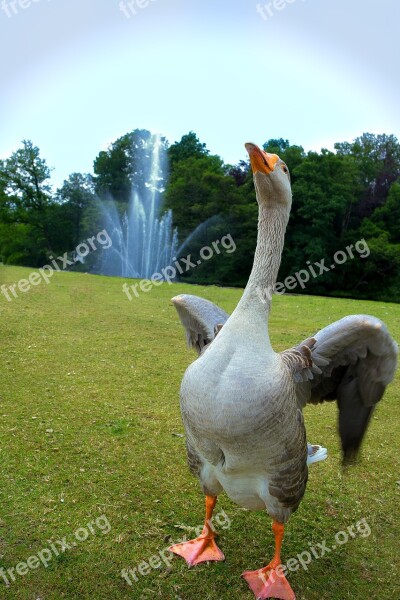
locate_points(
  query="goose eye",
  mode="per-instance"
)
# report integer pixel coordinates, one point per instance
(285, 169)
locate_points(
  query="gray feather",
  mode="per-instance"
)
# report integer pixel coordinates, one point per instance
(201, 319)
(356, 359)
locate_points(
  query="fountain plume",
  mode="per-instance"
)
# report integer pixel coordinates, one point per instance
(143, 241)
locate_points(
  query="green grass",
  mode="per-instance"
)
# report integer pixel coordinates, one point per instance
(88, 412)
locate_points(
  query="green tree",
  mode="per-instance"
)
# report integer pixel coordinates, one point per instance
(26, 177)
(380, 276)
(198, 189)
(25, 200)
(213, 200)
(323, 197)
(378, 161)
(73, 200)
(188, 147)
(387, 217)
(125, 164)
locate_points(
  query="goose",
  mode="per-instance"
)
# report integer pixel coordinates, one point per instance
(241, 402)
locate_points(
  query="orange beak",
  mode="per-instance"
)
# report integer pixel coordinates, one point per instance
(260, 160)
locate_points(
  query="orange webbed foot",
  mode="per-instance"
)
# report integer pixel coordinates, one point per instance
(269, 582)
(199, 550)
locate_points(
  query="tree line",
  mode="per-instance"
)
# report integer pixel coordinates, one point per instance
(339, 198)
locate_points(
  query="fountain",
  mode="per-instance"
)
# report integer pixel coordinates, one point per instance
(143, 241)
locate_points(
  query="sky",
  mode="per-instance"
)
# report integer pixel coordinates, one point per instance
(78, 74)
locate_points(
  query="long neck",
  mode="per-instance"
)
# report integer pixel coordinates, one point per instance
(255, 304)
(272, 222)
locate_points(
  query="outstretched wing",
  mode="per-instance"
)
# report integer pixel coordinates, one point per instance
(201, 319)
(351, 361)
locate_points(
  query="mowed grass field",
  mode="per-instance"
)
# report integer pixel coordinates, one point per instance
(90, 427)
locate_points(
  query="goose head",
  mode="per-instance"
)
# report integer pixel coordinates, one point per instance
(271, 178)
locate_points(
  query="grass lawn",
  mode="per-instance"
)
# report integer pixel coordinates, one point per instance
(91, 433)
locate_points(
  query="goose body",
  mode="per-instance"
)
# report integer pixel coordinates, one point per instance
(242, 402)
(243, 423)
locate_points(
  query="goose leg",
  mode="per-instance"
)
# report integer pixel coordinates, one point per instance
(204, 547)
(270, 581)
